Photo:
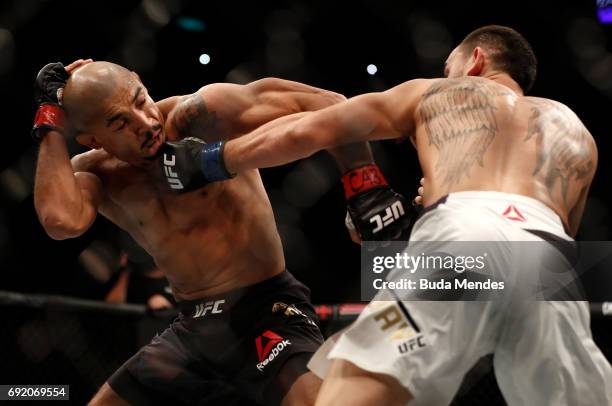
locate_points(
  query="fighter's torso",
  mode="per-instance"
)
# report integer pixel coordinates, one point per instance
(475, 134)
(217, 238)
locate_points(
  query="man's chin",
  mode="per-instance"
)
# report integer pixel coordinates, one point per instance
(154, 156)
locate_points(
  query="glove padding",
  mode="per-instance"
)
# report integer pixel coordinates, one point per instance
(382, 215)
(48, 90)
(191, 163)
(375, 210)
(49, 84)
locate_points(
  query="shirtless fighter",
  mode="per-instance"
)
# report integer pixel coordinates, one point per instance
(246, 329)
(498, 166)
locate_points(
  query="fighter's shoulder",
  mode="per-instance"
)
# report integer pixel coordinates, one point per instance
(561, 115)
(220, 95)
(168, 104)
(542, 104)
(192, 115)
(417, 91)
(414, 86)
(92, 161)
(405, 96)
(466, 84)
(211, 97)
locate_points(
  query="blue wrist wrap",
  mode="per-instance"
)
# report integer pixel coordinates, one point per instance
(212, 164)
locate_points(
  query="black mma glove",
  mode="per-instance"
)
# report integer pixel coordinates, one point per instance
(376, 211)
(190, 164)
(48, 88)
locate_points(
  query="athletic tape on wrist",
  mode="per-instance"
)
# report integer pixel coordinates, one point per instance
(213, 166)
(49, 116)
(361, 179)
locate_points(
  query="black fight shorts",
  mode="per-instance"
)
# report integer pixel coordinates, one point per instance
(246, 346)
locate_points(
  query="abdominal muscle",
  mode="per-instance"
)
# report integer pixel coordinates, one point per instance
(207, 266)
(210, 241)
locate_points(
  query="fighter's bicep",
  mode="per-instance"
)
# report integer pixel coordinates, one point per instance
(92, 194)
(376, 116)
(361, 118)
(193, 116)
(403, 103)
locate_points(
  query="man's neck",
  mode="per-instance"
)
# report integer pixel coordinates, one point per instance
(505, 80)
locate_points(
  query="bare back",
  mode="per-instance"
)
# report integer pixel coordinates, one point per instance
(475, 134)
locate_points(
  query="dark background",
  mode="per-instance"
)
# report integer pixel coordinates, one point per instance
(323, 43)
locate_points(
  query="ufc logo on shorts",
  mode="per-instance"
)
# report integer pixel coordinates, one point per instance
(203, 308)
(173, 180)
(411, 345)
(392, 213)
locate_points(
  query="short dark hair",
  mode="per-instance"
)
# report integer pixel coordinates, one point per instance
(510, 52)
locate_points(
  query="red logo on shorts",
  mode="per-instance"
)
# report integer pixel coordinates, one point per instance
(513, 213)
(273, 338)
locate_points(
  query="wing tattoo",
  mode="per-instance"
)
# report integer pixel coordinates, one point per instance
(563, 150)
(459, 118)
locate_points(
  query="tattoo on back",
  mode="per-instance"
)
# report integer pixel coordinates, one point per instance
(562, 145)
(459, 118)
(193, 119)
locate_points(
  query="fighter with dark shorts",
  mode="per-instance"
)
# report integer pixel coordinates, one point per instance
(246, 328)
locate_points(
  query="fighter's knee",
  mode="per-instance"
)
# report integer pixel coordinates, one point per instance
(107, 396)
(304, 391)
(347, 384)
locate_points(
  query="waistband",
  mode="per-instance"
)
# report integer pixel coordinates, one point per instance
(223, 302)
(526, 212)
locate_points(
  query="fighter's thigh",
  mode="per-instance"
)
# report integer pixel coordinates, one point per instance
(107, 396)
(547, 356)
(426, 346)
(347, 384)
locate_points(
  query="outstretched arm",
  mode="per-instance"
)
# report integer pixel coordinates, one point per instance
(226, 110)
(372, 116)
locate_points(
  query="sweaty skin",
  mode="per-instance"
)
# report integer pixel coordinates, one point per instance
(208, 241)
(217, 238)
(474, 130)
(471, 133)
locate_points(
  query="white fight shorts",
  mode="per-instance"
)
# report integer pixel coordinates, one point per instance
(543, 353)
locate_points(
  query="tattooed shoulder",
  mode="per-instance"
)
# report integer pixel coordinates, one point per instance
(192, 118)
(459, 119)
(563, 145)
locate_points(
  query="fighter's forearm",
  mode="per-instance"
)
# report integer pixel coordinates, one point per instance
(278, 142)
(57, 195)
(351, 156)
(318, 100)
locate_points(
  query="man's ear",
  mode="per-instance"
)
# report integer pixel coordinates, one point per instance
(477, 62)
(88, 140)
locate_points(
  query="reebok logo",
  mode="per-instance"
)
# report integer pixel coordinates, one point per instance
(392, 213)
(512, 213)
(173, 179)
(269, 345)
